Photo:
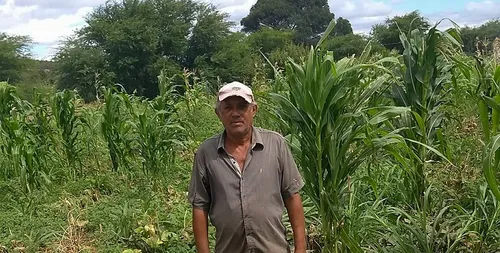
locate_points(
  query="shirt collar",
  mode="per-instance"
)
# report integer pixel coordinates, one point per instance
(256, 139)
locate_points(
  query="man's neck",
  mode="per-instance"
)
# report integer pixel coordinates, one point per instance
(238, 141)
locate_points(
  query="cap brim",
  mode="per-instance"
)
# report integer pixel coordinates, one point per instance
(231, 94)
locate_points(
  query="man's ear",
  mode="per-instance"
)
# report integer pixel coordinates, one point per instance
(255, 109)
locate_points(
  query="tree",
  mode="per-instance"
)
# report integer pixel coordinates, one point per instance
(82, 67)
(268, 39)
(130, 41)
(342, 27)
(234, 60)
(487, 32)
(14, 57)
(210, 30)
(388, 32)
(308, 18)
(348, 45)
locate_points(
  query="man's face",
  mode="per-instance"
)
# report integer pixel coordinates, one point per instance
(236, 114)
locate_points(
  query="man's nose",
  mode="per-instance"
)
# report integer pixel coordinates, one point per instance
(235, 113)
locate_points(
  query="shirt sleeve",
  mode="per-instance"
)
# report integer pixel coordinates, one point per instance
(199, 188)
(291, 182)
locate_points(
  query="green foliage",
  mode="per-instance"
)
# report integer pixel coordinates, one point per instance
(129, 42)
(158, 134)
(333, 131)
(267, 40)
(210, 30)
(421, 85)
(70, 124)
(490, 98)
(486, 33)
(387, 33)
(114, 128)
(14, 57)
(82, 66)
(329, 104)
(307, 18)
(342, 27)
(348, 45)
(424, 231)
(234, 60)
(22, 140)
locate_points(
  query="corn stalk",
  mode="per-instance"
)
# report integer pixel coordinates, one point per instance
(157, 131)
(333, 131)
(421, 85)
(115, 129)
(20, 146)
(490, 121)
(68, 122)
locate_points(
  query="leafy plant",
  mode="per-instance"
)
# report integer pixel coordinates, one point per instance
(157, 131)
(115, 129)
(490, 120)
(421, 84)
(333, 131)
(64, 110)
(423, 231)
(19, 143)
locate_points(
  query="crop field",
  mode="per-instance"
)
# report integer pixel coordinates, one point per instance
(399, 153)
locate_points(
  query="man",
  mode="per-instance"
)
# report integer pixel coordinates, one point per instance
(242, 179)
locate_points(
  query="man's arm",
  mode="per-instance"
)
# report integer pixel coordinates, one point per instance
(199, 197)
(291, 184)
(200, 229)
(296, 215)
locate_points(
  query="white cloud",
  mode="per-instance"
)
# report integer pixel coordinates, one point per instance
(50, 30)
(488, 9)
(359, 8)
(11, 14)
(238, 10)
(362, 14)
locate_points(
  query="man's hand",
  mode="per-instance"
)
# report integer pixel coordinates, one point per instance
(296, 214)
(200, 229)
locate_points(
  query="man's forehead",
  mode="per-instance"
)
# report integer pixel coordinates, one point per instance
(234, 100)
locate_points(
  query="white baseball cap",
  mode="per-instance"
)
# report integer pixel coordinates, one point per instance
(236, 89)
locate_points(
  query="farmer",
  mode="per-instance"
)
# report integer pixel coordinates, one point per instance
(242, 179)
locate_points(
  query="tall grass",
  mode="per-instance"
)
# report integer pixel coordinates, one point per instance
(158, 134)
(20, 142)
(334, 131)
(115, 129)
(422, 84)
(489, 111)
(69, 124)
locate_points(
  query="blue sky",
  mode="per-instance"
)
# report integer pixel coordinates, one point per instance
(50, 21)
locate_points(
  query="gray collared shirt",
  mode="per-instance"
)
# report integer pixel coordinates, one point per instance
(245, 207)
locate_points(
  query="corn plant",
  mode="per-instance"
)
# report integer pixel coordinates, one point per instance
(421, 85)
(21, 147)
(115, 129)
(69, 124)
(333, 132)
(489, 82)
(8, 99)
(41, 127)
(157, 133)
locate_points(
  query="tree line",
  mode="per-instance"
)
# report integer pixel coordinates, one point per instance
(129, 42)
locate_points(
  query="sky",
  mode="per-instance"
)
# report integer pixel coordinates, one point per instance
(48, 22)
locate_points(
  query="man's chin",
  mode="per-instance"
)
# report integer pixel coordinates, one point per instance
(237, 131)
